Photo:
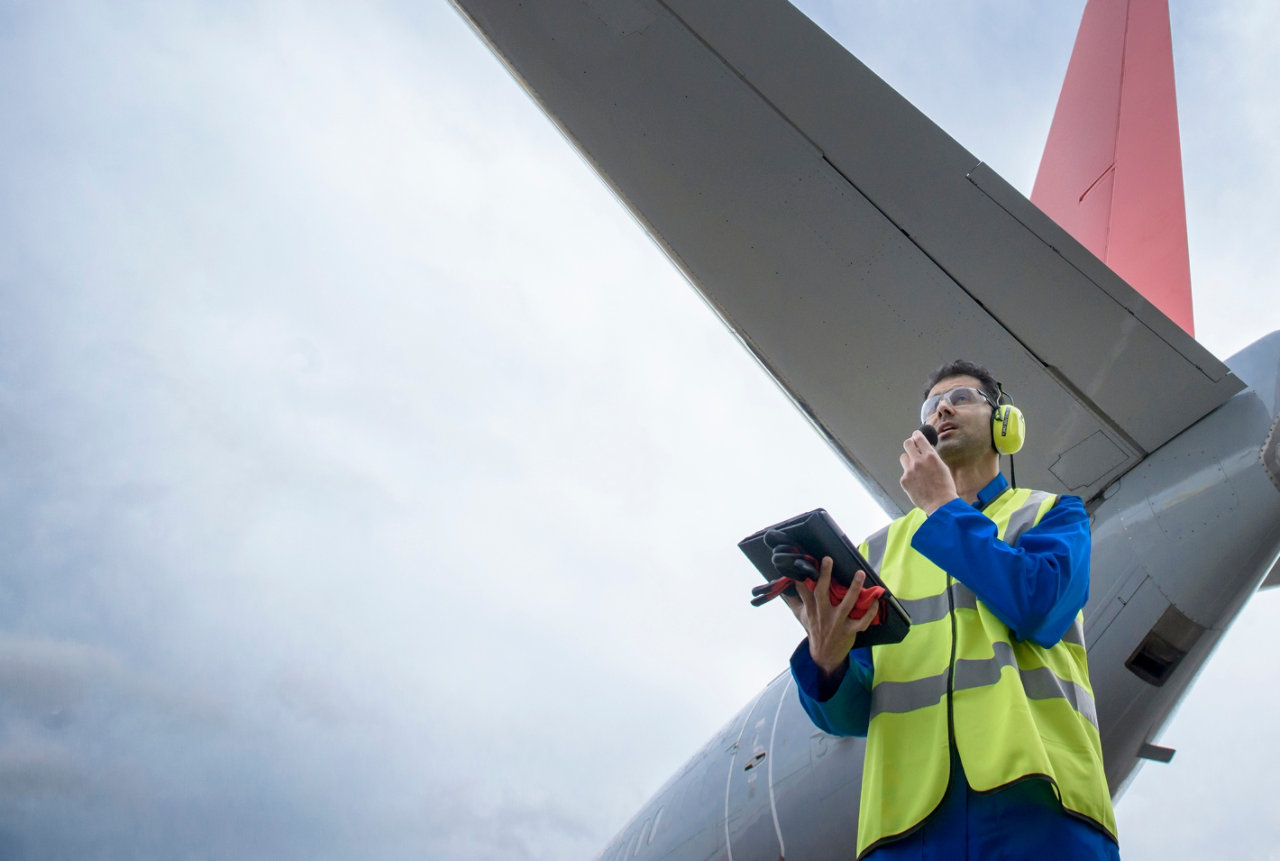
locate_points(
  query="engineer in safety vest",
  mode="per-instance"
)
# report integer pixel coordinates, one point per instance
(982, 736)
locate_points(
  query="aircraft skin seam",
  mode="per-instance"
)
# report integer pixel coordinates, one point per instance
(742, 77)
(1104, 418)
(728, 781)
(884, 495)
(773, 803)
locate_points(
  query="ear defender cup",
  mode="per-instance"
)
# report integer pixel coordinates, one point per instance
(1008, 429)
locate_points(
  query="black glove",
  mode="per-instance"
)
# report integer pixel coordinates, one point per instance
(792, 564)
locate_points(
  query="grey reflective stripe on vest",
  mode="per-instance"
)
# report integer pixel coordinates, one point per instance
(979, 672)
(1040, 683)
(900, 697)
(1075, 634)
(1022, 519)
(963, 596)
(935, 607)
(1043, 683)
(876, 545)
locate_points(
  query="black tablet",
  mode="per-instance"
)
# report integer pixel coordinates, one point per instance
(818, 534)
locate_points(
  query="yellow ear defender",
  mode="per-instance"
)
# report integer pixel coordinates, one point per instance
(1008, 427)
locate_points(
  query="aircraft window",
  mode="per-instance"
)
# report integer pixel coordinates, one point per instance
(656, 819)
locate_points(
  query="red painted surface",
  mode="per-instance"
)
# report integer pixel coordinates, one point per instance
(1111, 173)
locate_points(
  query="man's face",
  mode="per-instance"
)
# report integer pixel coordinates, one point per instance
(964, 432)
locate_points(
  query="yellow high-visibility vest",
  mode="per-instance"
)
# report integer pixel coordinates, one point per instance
(1018, 710)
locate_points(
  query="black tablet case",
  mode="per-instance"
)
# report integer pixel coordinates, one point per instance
(818, 534)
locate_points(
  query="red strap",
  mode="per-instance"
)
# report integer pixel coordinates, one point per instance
(868, 596)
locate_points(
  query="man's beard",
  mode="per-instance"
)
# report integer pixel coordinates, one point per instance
(960, 448)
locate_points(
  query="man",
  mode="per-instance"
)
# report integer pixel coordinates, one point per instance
(982, 738)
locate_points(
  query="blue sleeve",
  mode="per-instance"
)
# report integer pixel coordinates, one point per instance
(847, 709)
(1036, 587)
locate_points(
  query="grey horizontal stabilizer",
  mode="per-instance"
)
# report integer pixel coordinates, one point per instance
(846, 240)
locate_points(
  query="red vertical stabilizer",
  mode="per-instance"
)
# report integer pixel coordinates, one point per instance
(1111, 174)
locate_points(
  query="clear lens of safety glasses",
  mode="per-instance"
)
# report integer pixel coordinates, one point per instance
(957, 397)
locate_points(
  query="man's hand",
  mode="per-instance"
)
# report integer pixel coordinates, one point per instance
(925, 478)
(831, 632)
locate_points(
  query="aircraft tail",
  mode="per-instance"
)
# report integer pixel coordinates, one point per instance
(1111, 174)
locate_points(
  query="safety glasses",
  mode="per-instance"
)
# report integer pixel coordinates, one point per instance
(961, 396)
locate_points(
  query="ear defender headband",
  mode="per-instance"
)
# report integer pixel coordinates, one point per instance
(1008, 427)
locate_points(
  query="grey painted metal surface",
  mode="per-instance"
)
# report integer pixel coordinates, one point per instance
(846, 240)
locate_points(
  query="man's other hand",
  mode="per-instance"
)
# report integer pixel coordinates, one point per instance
(831, 632)
(925, 477)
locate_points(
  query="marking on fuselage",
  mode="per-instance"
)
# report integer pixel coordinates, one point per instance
(1270, 453)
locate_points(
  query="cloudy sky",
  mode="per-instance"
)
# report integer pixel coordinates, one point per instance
(370, 484)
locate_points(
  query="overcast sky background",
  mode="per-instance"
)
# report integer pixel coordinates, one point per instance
(369, 482)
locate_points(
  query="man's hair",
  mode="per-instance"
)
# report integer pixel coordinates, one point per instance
(965, 368)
